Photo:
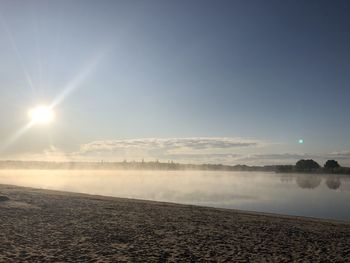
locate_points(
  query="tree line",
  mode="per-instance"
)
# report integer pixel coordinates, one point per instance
(302, 166)
(311, 166)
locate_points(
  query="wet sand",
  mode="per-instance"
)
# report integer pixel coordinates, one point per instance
(52, 226)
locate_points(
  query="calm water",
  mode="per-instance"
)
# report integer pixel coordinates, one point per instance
(293, 194)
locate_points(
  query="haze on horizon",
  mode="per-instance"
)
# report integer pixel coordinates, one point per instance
(190, 81)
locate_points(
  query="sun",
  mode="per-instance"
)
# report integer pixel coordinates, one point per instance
(41, 114)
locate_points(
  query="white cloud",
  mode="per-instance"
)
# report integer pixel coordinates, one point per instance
(224, 150)
(195, 143)
(188, 150)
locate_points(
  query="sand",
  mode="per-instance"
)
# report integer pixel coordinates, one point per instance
(51, 226)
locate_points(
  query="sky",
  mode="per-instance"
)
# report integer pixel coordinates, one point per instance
(189, 81)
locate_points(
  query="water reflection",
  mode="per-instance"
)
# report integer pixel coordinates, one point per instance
(323, 196)
(333, 182)
(312, 181)
(308, 181)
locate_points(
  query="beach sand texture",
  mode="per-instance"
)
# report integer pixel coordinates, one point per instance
(51, 226)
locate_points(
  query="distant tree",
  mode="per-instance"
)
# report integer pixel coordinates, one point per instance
(331, 165)
(284, 168)
(307, 165)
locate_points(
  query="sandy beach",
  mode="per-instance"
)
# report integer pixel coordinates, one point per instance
(51, 226)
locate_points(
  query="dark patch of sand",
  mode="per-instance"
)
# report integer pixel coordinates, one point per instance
(4, 198)
(53, 226)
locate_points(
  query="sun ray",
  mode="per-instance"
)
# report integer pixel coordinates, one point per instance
(16, 136)
(77, 81)
(44, 114)
(17, 52)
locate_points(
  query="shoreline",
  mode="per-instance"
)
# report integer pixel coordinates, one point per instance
(49, 225)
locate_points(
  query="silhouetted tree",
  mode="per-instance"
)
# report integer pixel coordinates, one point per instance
(306, 165)
(284, 168)
(331, 165)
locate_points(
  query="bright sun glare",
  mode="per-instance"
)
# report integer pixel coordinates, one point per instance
(41, 114)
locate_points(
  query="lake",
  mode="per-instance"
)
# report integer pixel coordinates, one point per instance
(321, 196)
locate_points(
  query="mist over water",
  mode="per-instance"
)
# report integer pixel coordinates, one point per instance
(321, 196)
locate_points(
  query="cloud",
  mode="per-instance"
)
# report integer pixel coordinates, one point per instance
(199, 150)
(169, 145)
(188, 150)
(340, 155)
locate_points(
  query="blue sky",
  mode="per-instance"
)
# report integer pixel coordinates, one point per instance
(182, 73)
